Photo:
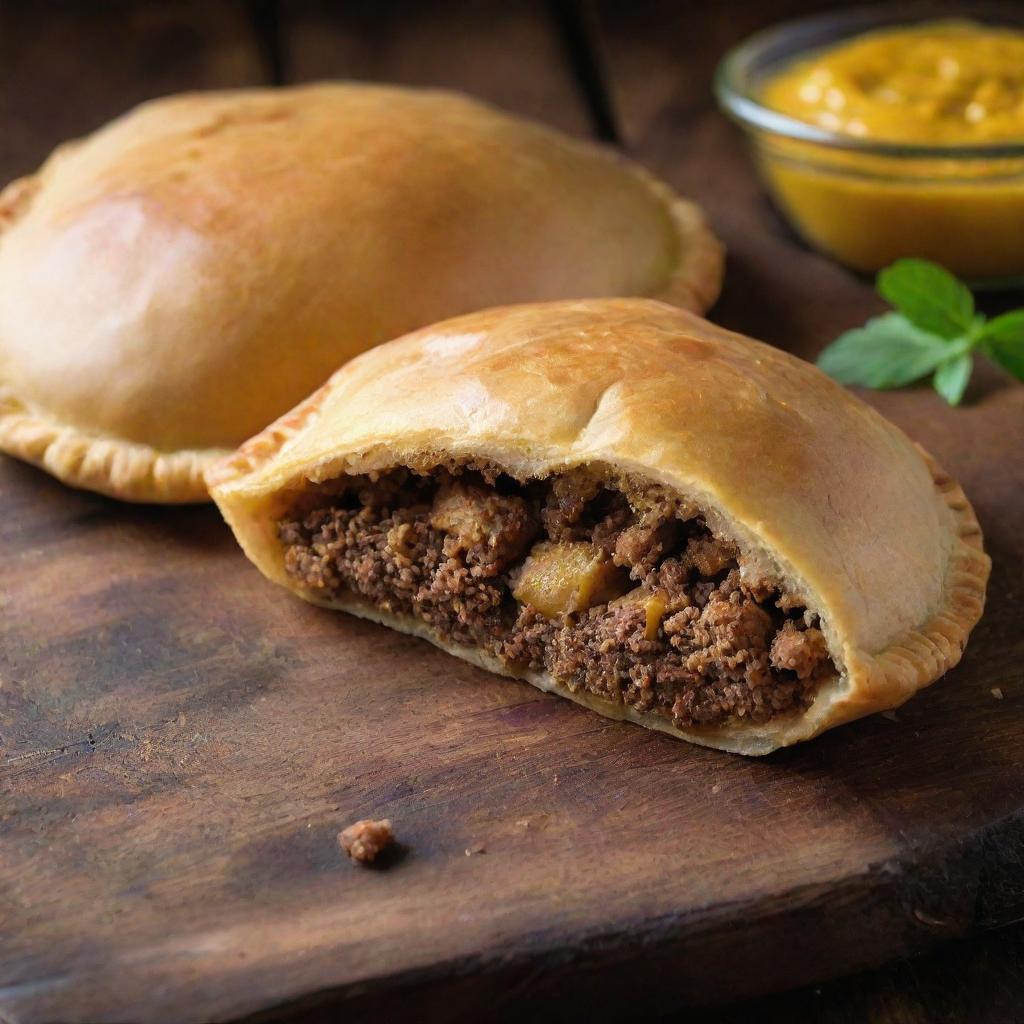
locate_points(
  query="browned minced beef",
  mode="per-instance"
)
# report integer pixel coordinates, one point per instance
(366, 839)
(445, 548)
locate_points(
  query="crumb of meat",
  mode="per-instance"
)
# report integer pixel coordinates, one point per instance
(487, 529)
(798, 650)
(566, 502)
(722, 645)
(643, 545)
(365, 840)
(709, 556)
(612, 517)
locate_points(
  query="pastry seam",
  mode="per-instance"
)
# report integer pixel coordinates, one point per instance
(111, 466)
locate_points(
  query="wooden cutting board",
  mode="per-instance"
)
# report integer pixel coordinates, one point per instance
(180, 741)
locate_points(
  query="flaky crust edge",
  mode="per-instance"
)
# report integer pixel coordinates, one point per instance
(696, 282)
(875, 682)
(109, 466)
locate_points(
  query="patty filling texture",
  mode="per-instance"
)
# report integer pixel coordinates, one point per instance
(631, 599)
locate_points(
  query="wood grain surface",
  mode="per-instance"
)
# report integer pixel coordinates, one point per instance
(503, 53)
(181, 741)
(67, 67)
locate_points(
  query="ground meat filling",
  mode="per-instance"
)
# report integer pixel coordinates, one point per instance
(691, 637)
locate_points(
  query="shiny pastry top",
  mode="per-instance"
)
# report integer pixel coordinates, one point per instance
(172, 283)
(822, 497)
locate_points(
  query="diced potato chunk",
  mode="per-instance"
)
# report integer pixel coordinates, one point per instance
(559, 579)
(654, 603)
(456, 512)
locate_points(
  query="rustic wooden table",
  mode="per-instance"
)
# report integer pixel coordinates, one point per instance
(637, 74)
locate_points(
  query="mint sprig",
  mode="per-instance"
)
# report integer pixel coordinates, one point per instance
(935, 330)
(928, 296)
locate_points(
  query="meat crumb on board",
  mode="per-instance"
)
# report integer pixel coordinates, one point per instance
(365, 840)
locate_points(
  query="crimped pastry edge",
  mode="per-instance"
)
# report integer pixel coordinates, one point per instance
(696, 282)
(107, 465)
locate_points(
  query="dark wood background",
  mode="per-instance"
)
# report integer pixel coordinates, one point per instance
(638, 75)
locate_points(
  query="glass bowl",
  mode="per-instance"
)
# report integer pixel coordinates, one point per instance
(866, 202)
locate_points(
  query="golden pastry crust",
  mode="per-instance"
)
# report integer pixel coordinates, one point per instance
(818, 490)
(110, 466)
(175, 281)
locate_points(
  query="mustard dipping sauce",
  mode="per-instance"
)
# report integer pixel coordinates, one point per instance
(942, 83)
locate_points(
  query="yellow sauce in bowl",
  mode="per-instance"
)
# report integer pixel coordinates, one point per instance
(943, 82)
(947, 84)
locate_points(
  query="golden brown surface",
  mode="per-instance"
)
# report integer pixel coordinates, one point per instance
(172, 283)
(818, 490)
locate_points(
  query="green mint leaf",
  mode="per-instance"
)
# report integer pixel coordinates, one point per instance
(886, 352)
(951, 378)
(1007, 328)
(1009, 355)
(928, 296)
(1002, 338)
